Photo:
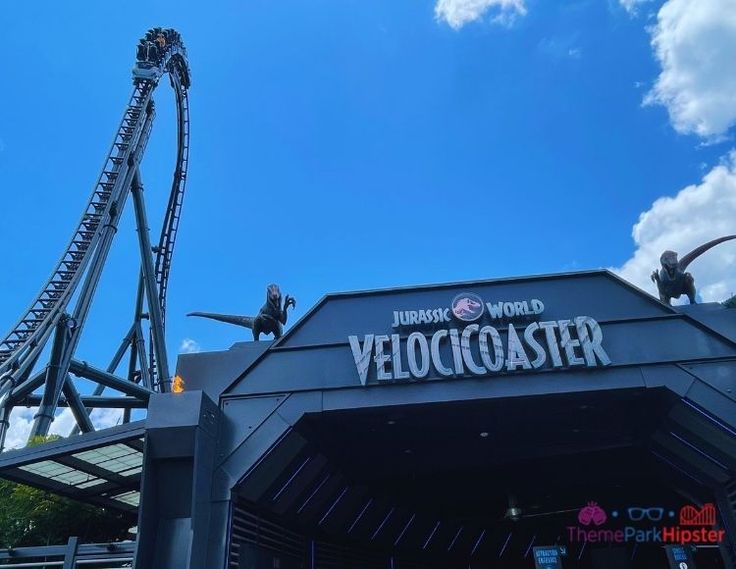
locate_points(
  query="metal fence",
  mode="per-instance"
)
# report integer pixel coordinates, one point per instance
(70, 556)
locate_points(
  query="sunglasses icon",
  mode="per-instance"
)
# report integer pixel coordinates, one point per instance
(652, 514)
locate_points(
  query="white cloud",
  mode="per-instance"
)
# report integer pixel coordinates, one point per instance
(457, 13)
(21, 421)
(632, 6)
(695, 44)
(560, 47)
(104, 418)
(698, 213)
(189, 346)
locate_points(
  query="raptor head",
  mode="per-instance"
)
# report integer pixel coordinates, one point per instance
(669, 263)
(273, 294)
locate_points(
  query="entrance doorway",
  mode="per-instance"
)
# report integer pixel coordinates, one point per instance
(474, 484)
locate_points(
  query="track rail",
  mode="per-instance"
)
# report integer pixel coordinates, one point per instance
(170, 228)
(36, 323)
(161, 52)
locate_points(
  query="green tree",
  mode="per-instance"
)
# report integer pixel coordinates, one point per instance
(29, 516)
(730, 303)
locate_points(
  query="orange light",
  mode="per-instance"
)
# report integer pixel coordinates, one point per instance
(178, 385)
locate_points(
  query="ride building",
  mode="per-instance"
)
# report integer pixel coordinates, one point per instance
(356, 441)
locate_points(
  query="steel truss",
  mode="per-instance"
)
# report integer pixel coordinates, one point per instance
(57, 315)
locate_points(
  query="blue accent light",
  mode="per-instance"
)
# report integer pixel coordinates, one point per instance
(710, 417)
(477, 543)
(676, 467)
(360, 515)
(333, 505)
(505, 543)
(431, 535)
(403, 531)
(290, 480)
(454, 539)
(317, 489)
(380, 527)
(699, 451)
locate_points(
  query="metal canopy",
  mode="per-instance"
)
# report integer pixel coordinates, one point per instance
(102, 468)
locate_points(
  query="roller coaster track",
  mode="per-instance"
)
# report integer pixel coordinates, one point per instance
(59, 311)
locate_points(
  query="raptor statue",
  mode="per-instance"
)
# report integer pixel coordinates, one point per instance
(270, 319)
(672, 280)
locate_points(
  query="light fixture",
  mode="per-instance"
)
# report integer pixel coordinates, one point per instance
(513, 513)
(484, 434)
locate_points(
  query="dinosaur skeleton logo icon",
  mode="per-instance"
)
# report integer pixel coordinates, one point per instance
(467, 307)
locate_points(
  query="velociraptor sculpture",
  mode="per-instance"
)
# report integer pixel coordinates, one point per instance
(271, 317)
(672, 280)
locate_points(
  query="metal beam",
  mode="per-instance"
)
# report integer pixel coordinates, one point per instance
(83, 369)
(92, 401)
(74, 400)
(28, 386)
(113, 365)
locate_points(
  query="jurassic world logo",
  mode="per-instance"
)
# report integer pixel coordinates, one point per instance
(468, 307)
(478, 338)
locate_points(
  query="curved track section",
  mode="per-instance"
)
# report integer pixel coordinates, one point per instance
(160, 52)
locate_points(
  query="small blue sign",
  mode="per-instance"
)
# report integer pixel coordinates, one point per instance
(548, 557)
(680, 557)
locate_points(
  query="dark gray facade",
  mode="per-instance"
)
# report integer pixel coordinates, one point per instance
(280, 455)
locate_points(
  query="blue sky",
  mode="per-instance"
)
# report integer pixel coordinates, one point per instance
(342, 145)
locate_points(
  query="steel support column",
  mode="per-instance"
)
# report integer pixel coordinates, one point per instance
(149, 283)
(5, 409)
(55, 377)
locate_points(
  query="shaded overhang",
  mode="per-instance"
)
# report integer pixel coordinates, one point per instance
(102, 467)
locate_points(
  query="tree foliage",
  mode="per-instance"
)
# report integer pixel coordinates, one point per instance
(29, 516)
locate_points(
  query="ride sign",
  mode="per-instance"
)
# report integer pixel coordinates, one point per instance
(472, 347)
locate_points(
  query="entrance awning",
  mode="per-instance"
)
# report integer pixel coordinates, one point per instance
(102, 468)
